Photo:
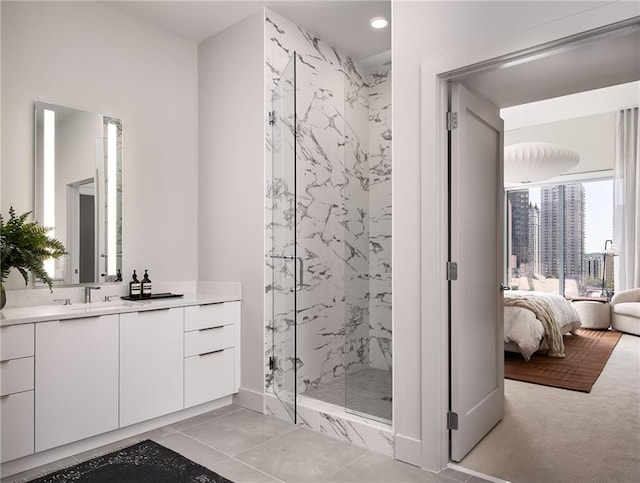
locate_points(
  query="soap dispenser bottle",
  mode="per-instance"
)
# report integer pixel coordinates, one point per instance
(146, 285)
(135, 287)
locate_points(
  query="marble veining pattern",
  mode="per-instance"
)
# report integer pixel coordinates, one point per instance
(380, 216)
(328, 419)
(343, 160)
(375, 437)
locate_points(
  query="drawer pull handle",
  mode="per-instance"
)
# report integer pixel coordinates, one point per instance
(211, 303)
(212, 352)
(211, 328)
(5, 396)
(155, 310)
(5, 362)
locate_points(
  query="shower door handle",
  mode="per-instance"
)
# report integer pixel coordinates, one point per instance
(301, 274)
(300, 280)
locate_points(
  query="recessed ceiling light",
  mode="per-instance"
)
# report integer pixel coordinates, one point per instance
(378, 22)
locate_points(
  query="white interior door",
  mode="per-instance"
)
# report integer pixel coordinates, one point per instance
(477, 359)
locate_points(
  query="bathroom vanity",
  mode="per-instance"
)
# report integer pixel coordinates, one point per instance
(77, 376)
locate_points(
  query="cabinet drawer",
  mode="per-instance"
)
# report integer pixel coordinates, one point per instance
(207, 340)
(208, 377)
(16, 341)
(16, 375)
(17, 425)
(203, 316)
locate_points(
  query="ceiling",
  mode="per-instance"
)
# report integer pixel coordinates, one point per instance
(341, 24)
(602, 61)
(592, 63)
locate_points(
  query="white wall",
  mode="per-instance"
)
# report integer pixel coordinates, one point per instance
(431, 38)
(581, 104)
(584, 122)
(231, 179)
(88, 56)
(592, 137)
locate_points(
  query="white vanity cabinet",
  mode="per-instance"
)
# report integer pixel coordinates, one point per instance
(76, 379)
(88, 377)
(151, 364)
(210, 349)
(16, 390)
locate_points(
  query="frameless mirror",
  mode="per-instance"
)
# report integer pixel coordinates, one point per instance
(78, 191)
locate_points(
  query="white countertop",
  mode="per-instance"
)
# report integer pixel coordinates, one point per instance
(41, 313)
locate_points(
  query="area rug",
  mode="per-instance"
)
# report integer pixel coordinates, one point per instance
(144, 462)
(586, 354)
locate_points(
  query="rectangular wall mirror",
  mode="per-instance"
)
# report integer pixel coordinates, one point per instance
(78, 191)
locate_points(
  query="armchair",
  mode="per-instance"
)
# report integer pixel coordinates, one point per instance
(625, 311)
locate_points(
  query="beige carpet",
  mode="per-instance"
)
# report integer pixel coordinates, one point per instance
(553, 435)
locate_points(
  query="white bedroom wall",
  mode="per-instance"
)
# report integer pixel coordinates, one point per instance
(584, 122)
(581, 104)
(592, 137)
(231, 181)
(88, 56)
(437, 37)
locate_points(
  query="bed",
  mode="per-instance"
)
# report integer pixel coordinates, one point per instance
(537, 321)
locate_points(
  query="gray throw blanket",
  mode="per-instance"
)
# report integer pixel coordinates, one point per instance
(544, 314)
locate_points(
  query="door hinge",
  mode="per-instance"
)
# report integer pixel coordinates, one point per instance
(452, 121)
(452, 271)
(272, 363)
(452, 420)
(272, 118)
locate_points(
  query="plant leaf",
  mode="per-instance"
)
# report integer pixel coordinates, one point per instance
(25, 246)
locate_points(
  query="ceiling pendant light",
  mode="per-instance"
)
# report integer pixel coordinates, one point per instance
(532, 162)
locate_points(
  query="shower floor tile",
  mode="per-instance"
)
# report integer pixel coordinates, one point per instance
(368, 392)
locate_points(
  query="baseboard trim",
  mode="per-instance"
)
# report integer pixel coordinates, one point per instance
(249, 399)
(409, 450)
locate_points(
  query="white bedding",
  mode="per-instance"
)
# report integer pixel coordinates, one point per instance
(522, 327)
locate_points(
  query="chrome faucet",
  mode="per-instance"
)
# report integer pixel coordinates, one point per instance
(87, 293)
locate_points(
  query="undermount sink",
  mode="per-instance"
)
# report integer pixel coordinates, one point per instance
(102, 305)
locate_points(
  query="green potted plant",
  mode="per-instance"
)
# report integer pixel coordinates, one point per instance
(25, 246)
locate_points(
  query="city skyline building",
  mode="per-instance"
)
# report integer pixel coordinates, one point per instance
(592, 267)
(519, 203)
(547, 233)
(551, 212)
(533, 234)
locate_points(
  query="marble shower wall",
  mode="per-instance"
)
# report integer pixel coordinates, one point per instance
(368, 161)
(332, 211)
(357, 233)
(380, 210)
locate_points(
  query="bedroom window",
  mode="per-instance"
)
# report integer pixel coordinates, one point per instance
(556, 235)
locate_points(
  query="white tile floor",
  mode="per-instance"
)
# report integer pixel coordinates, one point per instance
(245, 446)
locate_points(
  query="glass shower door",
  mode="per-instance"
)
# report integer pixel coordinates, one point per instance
(283, 236)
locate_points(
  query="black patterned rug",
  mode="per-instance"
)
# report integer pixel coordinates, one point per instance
(144, 462)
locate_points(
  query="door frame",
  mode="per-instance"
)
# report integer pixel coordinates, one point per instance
(74, 190)
(432, 451)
